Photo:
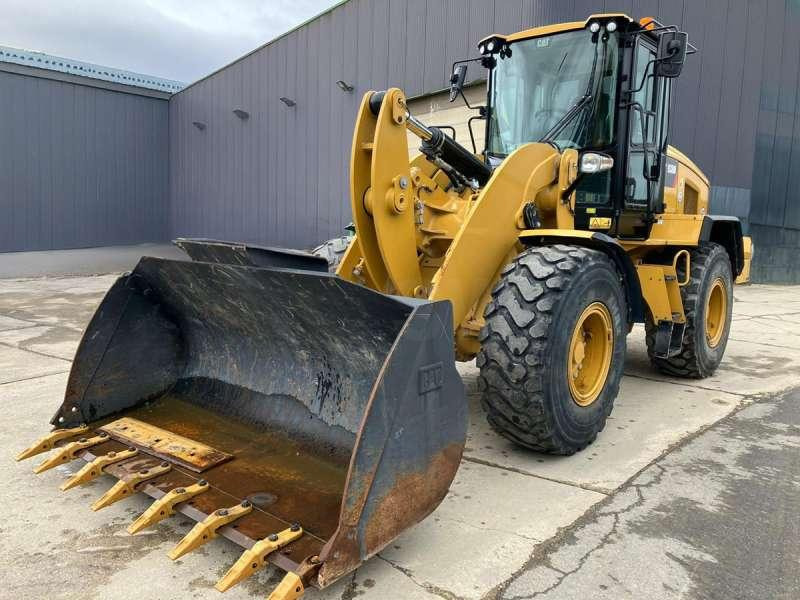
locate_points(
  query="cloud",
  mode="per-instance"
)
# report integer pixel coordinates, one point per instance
(177, 39)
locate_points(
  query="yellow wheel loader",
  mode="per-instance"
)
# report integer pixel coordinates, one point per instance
(311, 417)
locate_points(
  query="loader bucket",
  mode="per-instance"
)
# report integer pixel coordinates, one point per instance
(308, 419)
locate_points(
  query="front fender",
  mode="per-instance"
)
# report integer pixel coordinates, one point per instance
(603, 243)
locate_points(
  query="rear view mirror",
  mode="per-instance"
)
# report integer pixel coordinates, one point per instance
(671, 53)
(457, 81)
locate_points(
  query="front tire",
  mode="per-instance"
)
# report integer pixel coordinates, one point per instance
(708, 306)
(553, 348)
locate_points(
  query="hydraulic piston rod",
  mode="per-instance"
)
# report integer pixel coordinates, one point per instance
(463, 167)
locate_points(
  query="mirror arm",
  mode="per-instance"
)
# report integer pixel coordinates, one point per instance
(466, 61)
(464, 98)
(644, 77)
(690, 48)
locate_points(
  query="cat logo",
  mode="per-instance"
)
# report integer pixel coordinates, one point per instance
(600, 223)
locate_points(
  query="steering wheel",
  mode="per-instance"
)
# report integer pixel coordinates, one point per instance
(544, 111)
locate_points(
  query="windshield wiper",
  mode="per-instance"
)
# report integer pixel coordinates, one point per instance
(576, 109)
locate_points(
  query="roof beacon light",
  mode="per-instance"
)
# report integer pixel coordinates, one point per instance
(648, 23)
(594, 26)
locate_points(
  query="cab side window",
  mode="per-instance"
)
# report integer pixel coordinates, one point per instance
(647, 128)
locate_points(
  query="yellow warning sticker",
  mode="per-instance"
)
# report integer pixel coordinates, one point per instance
(600, 223)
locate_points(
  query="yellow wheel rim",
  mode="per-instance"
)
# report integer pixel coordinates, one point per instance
(716, 312)
(590, 353)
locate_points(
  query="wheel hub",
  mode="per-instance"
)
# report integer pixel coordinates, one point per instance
(716, 312)
(590, 353)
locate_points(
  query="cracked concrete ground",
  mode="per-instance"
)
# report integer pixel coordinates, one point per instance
(716, 518)
(662, 505)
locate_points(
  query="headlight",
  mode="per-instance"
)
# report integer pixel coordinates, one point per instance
(490, 46)
(611, 26)
(482, 48)
(595, 162)
(594, 26)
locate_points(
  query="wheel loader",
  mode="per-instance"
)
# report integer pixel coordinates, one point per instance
(312, 417)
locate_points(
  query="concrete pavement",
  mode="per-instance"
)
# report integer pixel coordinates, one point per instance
(507, 510)
(717, 518)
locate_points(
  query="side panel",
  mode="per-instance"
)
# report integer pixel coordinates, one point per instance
(409, 444)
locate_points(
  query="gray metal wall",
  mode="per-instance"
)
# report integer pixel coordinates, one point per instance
(280, 177)
(80, 166)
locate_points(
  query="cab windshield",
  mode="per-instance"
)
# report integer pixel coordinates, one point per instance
(566, 81)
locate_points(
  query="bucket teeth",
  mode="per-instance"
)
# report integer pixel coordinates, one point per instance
(47, 442)
(93, 470)
(164, 507)
(290, 588)
(126, 487)
(206, 530)
(254, 559)
(70, 452)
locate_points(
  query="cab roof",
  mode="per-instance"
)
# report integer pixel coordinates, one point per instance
(556, 28)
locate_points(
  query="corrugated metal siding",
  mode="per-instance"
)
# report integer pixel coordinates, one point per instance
(80, 166)
(281, 177)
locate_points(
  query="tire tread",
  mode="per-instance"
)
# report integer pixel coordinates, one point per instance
(512, 359)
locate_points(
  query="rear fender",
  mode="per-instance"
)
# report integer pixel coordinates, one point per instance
(726, 231)
(604, 243)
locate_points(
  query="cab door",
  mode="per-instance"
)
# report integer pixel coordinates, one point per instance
(648, 122)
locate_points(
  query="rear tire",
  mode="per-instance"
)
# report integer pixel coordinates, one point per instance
(707, 298)
(527, 353)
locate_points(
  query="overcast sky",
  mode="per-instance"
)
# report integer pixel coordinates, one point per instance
(177, 39)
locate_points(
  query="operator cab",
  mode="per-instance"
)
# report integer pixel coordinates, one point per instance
(602, 88)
